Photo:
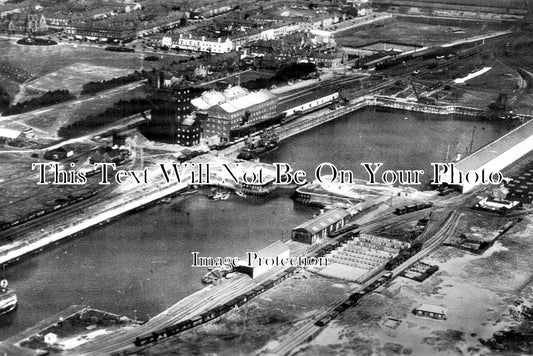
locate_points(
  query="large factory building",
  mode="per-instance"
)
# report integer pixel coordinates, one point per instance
(173, 120)
(233, 109)
(494, 157)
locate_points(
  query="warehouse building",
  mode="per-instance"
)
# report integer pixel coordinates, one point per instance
(260, 262)
(172, 118)
(493, 157)
(233, 109)
(321, 226)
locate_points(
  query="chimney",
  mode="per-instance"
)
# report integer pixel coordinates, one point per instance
(161, 79)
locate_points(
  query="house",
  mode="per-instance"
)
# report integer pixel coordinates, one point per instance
(109, 155)
(430, 311)
(36, 23)
(8, 135)
(50, 338)
(203, 44)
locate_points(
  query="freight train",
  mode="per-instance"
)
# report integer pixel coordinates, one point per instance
(392, 61)
(460, 50)
(353, 299)
(43, 212)
(413, 207)
(240, 300)
(343, 230)
(404, 255)
(214, 312)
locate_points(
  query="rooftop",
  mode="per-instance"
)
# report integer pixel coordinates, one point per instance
(495, 148)
(246, 101)
(271, 251)
(431, 309)
(323, 221)
(12, 134)
(232, 99)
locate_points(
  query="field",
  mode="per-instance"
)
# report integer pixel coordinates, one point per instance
(250, 327)
(500, 78)
(466, 286)
(518, 4)
(74, 76)
(407, 32)
(478, 292)
(47, 121)
(41, 60)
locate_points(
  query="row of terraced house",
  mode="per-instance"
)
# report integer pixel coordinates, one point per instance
(224, 44)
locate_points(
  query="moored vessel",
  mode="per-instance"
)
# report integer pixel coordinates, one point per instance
(8, 298)
(268, 141)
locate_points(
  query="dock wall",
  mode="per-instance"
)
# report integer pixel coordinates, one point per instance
(117, 208)
(123, 205)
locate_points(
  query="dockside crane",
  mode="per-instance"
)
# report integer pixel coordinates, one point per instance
(471, 147)
(422, 99)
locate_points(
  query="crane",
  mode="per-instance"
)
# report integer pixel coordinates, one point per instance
(472, 140)
(422, 99)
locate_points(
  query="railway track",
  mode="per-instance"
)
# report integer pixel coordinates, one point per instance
(193, 306)
(309, 330)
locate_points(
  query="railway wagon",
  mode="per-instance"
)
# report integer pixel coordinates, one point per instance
(269, 284)
(153, 337)
(240, 300)
(208, 315)
(324, 320)
(196, 321)
(403, 256)
(391, 62)
(291, 271)
(43, 212)
(356, 296)
(413, 207)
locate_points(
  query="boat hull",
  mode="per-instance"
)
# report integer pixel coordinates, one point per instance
(8, 304)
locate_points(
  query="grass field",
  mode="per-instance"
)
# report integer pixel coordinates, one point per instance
(41, 60)
(407, 32)
(519, 4)
(499, 78)
(74, 76)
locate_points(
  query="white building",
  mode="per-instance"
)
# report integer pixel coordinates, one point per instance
(322, 36)
(202, 44)
(50, 338)
(491, 158)
(260, 262)
(278, 32)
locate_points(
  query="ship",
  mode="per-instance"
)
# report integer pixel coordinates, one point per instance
(8, 298)
(268, 141)
(215, 274)
(217, 195)
(241, 194)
